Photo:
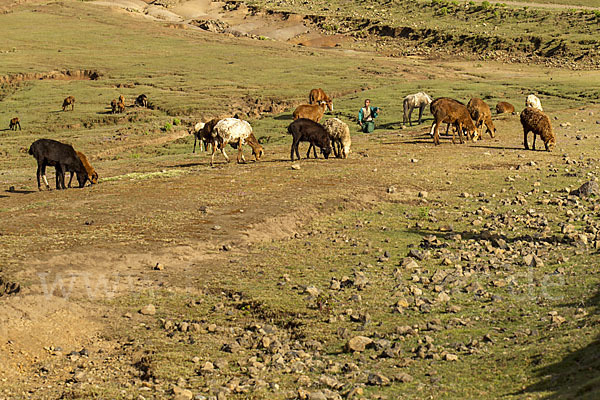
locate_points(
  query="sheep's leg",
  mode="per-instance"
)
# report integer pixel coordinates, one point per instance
(38, 175)
(240, 152)
(432, 129)
(525, 132)
(533, 144)
(297, 150)
(212, 156)
(405, 113)
(410, 110)
(448, 129)
(71, 178)
(310, 145)
(295, 144)
(436, 133)
(314, 150)
(421, 113)
(223, 151)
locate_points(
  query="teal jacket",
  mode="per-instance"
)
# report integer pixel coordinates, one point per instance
(373, 113)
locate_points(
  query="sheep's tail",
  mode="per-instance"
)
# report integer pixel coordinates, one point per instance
(30, 150)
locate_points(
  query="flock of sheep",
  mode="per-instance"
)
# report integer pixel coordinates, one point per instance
(331, 136)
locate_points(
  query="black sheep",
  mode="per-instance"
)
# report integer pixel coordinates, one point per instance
(62, 156)
(306, 130)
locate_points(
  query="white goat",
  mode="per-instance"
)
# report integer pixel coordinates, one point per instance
(339, 132)
(420, 100)
(533, 101)
(234, 131)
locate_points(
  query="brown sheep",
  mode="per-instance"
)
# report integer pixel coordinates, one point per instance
(316, 96)
(120, 107)
(481, 114)
(14, 123)
(504, 107)
(313, 112)
(142, 100)
(91, 172)
(113, 106)
(121, 99)
(450, 111)
(203, 133)
(537, 122)
(69, 101)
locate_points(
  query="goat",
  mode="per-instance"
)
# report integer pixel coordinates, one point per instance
(537, 122)
(69, 101)
(120, 107)
(62, 156)
(481, 114)
(450, 111)
(313, 112)
(12, 125)
(113, 106)
(316, 96)
(420, 100)
(339, 133)
(203, 133)
(307, 130)
(504, 107)
(533, 101)
(233, 130)
(121, 99)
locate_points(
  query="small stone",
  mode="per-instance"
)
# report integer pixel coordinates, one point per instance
(378, 379)
(313, 291)
(391, 189)
(423, 194)
(159, 267)
(148, 310)
(182, 394)
(358, 343)
(295, 167)
(403, 377)
(216, 228)
(451, 357)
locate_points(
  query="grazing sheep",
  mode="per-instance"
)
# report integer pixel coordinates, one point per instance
(69, 101)
(113, 106)
(481, 114)
(142, 100)
(339, 132)
(120, 107)
(121, 99)
(307, 130)
(418, 100)
(316, 96)
(533, 101)
(450, 111)
(537, 122)
(92, 175)
(12, 125)
(313, 112)
(504, 107)
(230, 130)
(62, 156)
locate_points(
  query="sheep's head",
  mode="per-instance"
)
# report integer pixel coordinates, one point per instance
(329, 103)
(258, 152)
(326, 151)
(82, 179)
(550, 144)
(93, 177)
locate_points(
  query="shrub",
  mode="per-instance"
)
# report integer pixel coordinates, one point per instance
(443, 11)
(176, 121)
(167, 127)
(485, 5)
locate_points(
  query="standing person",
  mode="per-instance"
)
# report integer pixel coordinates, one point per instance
(366, 115)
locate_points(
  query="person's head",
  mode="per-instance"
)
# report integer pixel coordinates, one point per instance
(367, 102)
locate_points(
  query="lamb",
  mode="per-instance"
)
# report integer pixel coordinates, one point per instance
(231, 130)
(339, 133)
(113, 106)
(537, 122)
(203, 133)
(533, 101)
(504, 107)
(450, 111)
(481, 114)
(313, 112)
(306, 130)
(12, 125)
(142, 100)
(62, 156)
(69, 101)
(121, 99)
(420, 100)
(316, 96)
(120, 106)
(92, 175)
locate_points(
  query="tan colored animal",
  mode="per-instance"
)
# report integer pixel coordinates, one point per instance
(14, 123)
(534, 120)
(91, 172)
(450, 111)
(533, 101)
(121, 99)
(481, 114)
(318, 95)
(314, 112)
(120, 107)
(113, 106)
(339, 133)
(504, 107)
(69, 101)
(230, 130)
(203, 132)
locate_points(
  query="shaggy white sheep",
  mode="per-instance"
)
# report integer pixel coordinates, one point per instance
(533, 101)
(418, 100)
(339, 132)
(234, 131)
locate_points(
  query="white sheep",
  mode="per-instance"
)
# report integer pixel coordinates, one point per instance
(533, 101)
(238, 132)
(418, 100)
(339, 132)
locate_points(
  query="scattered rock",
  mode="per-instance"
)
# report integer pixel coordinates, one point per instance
(587, 189)
(150, 309)
(159, 267)
(358, 344)
(378, 379)
(296, 166)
